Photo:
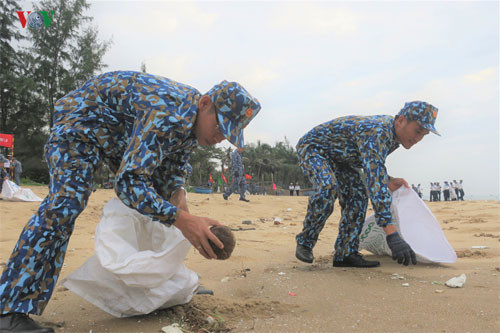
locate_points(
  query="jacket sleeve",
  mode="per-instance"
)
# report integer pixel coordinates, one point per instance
(373, 162)
(154, 134)
(171, 175)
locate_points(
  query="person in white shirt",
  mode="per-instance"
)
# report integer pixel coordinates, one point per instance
(438, 191)
(291, 188)
(446, 191)
(297, 189)
(453, 193)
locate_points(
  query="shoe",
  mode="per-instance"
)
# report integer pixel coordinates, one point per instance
(224, 196)
(243, 199)
(304, 254)
(21, 322)
(204, 291)
(355, 260)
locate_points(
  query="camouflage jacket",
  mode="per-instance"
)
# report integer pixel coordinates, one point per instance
(361, 142)
(143, 127)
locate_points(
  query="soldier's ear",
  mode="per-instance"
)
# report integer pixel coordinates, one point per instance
(205, 103)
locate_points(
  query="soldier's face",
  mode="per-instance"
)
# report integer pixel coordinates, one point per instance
(409, 133)
(207, 129)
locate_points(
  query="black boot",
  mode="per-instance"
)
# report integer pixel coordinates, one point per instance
(204, 291)
(304, 254)
(243, 199)
(20, 322)
(224, 196)
(355, 260)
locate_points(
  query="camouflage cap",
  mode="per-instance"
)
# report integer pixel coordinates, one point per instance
(423, 113)
(235, 109)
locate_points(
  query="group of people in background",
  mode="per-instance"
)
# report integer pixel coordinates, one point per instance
(452, 191)
(10, 168)
(293, 188)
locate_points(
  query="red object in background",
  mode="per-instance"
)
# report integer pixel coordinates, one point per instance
(6, 140)
(224, 178)
(247, 176)
(210, 178)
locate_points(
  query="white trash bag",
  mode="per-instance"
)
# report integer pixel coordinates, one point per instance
(13, 192)
(138, 265)
(417, 226)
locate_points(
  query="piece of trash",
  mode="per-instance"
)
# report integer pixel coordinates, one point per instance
(401, 277)
(244, 272)
(479, 247)
(281, 273)
(293, 223)
(246, 222)
(277, 219)
(277, 222)
(210, 320)
(405, 284)
(292, 294)
(439, 291)
(395, 276)
(456, 282)
(174, 328)
(289, 209)
(225, 279)
(437, 282)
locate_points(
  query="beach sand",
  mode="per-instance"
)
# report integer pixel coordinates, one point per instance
(263, 288)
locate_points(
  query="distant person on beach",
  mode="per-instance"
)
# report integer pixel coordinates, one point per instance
(446, 191)
(17, 170)
(333, 154)
(453, 191)
(144, 127)
(291, 188)
(460, 187)
(297, 189)
(4, 175)
(238, 184)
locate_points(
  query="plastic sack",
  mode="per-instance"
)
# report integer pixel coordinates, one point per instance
(417, 226)
(138, 265)
(13, 192)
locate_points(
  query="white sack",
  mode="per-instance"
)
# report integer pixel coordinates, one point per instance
(138, 265)
(13, 192)
(417, 226)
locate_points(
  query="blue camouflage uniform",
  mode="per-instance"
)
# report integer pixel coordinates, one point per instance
(238, 184)
(345, 158)
(141, 125)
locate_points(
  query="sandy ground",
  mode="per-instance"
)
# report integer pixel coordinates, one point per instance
(252, 288)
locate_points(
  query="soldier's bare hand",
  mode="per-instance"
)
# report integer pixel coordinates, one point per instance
(197, 231)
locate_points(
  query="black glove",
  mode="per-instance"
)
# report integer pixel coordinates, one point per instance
(401, 250)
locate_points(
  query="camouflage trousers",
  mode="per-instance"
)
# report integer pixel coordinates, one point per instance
(31, 272)
(330, 181)
(238, 185)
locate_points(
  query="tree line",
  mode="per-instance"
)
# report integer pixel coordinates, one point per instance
(265, 164)
(39, 66)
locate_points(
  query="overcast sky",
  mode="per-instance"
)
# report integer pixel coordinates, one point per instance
(310, 62)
